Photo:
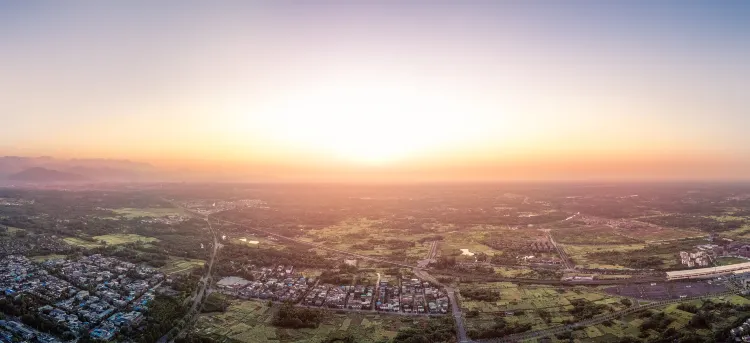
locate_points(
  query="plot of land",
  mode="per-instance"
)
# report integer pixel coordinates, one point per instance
(47, 257)
(116, 239)
(180, 265)
(667, 290)
(147, 212)
(81, 243)
(250, 321)
(725, 261)
(371, 237)
(591, 234)
(528, 304)
(579, 253)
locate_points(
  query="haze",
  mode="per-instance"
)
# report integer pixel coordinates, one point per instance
(383, 90)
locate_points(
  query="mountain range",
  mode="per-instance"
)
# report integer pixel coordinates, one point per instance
(48, 169)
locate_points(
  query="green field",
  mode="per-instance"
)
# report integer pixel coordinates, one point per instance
(180, 265)
(249, 322)
(43, 258)
(12, 230)
(680, 320)
(590, 235)
(359, 234)
(116, 239)
(579, 253)
(526, 304)
(81, 243)
(723, 261)
(131, 213)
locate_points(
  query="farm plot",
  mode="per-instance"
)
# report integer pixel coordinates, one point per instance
(153, 212)
(580, 254)
(117, 239)
(591, 234)
(250, 321)
(371, 237)
(536, 305)
(82, 243)
(667, 290)
(177, 265)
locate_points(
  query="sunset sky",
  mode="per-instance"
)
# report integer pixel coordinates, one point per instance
(401, 89)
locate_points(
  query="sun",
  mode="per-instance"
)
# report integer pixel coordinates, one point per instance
(365, 122)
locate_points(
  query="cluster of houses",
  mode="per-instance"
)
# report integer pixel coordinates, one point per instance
(700, 259)
(207, 207)
(21, 245)
(11, 331)
(281, 283)
(389, 297)
(742, 332)
(278, 283)
(421, 297)
(357, 297)
(90, 293)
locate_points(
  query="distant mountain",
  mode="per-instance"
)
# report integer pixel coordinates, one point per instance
(95, 169)
(39, 174)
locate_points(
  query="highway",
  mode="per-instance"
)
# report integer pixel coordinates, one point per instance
(203, 284)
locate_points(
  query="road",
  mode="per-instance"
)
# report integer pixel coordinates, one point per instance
(457, 316)
(455, 309)
(561, 252)
(204, 281)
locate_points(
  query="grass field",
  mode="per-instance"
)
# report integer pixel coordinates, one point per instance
(578, 253)
(12, 230)
(180, 265)
(116, 239)
(590, 234)
(250, 322)
(528, 303)
(356, 235)
(724, 261)
(147, 212)
(43, 258)
(81, 243)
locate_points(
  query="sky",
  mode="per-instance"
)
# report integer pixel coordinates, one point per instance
(480, 90)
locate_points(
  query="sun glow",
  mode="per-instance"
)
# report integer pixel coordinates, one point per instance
(368, 122)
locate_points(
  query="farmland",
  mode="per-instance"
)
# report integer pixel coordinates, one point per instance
(117, 239)
(81, 243)
(676, 318)
(587, 234)
(534, 305)
(130, 213)
(180, 265)
(371, 237)
(579, 254)
(250, 322)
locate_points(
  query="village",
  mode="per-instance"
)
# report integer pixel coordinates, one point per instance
(94, 294)
(283, 284)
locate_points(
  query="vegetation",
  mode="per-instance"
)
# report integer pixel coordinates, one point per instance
(215, 302)
(500, 329)
(292, 317)
(438, 330)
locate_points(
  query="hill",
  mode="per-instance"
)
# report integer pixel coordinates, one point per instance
(39, 174)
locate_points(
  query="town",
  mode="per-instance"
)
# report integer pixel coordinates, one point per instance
(282, 284)
(93, 295)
